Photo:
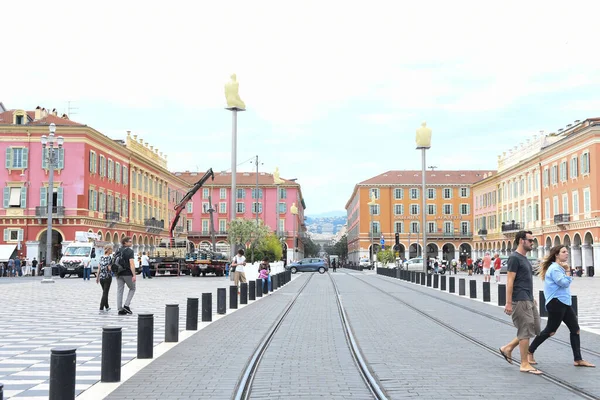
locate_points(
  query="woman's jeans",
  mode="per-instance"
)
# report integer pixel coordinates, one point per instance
(559, 312)
(86, 273)
(105, 283)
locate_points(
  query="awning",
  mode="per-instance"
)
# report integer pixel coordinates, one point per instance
(6, 250)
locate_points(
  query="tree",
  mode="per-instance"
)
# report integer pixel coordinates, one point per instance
(245, 232)
(339, 248)
(311, 249)
(386, 256)
(269, 247)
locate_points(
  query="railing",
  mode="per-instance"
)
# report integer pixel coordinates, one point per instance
(513, 226)
(154, 223)
(562, 218)
(206, 233)
(112, 216)
(433, 235)
(179, 229)
(482, 232)
(42, 211)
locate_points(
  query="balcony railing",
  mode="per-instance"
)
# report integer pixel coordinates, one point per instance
(42, 211)
(482, 232)
(446, 235)
(154, 223)
(112, 216)
(513, 226)
(562, 218)
(206, 233)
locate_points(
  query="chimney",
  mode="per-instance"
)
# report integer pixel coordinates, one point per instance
(54, 112)
(44, 113)
(38, 113)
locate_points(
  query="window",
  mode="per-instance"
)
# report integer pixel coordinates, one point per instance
(431, 209)
(125, 175)
(205, 226)
(536, 211)
(282, 193)
(447, 193)
(189, 225)
(431, 193)
(93, 163)
(398, 209)
(117, 172)
(398, 227)
(563, 171)
(17, 157)
(414, 209)
(133, 179)
(529, 183)
(15, 197)
(554, 175)
(522, 187)
(260, 194)
(102, 202)
(92, 200)
(160, 190)
(13, 235)
(414, 193)
(57, 196)
(133, 209)
(565, 203)
(205, 193)
(222, 208)
(223, 193)
(529, 210)
(282, 208)
(546, 177)
(587, 205)
(205, 207)
(374, 209)
(464, 209)
(375, 227)
(240, 208)
(414, 227)
(139, 178)
(398, 194)
(431, 227)
(241, 193)
(145, 212)
(60, 158)
(585, 163)
(464, 192)
(447, 209)
(102, 166)
(575, 203)
(150, 186)
(547, 209)
(256, 205)
(124, 208)
(190, 207)
(555, 205)
(574, 167)
(464, 228)
(110, 203)
(281, 224)
(374, 191)
(448, 227)
(145, 183)
(111, 169)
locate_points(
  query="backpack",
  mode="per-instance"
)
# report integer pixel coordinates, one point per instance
(118, 265)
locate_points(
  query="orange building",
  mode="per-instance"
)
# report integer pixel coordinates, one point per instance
(398, 210)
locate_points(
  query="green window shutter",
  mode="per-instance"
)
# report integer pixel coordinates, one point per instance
(43, 196)
(24, 197)
(44, 159)
(59, 197)
(89, 199)
(6, 233)
(61, 158)
(25, 157)
(20, 235)
(9, 157)
(91, 163)
(6, 196)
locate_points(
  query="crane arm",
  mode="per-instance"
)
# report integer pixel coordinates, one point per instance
(188, 196)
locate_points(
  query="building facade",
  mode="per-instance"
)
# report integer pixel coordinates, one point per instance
(398, 195)
(547, 185)
(270, 203)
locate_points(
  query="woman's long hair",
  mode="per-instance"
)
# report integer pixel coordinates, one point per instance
(550, 258)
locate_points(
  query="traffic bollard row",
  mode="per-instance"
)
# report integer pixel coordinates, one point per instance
(259, 287)
(443, 283)
(473, 289)
(461, 287)
(436, 281)
(452, 285)
(244, 293)
(172, 323)
(62, 373)
(233, 297)
(191, 316)
(486, 292)
(145, 340)
(110, 364)
(501, 294)
(206, 307)
(221, 300)
(252, 290)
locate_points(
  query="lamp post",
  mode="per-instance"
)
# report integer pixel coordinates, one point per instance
(48, 143)
(372, 205)
(423, 140)
(277, 181)
(294, 211)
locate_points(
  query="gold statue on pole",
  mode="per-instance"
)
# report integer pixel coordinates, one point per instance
(276, 179)
(231, 94)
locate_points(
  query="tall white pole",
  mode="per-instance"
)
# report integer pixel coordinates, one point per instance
(232, 209)
(424, 212)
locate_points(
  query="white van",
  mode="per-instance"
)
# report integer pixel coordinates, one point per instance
(86, 249)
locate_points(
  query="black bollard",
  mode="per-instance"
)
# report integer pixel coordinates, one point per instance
(206, 307)
(252, 290)
(443, 282)
(145, 336)
(542, 304)
(422, 278)
(172, 323)
(233, 297)
(417, 278)
(62, 373)
(486, 292)
(221, 301)
(275, 282)
(191, 316)
(2, 386)
(574, 304)
(501, 294)
(110, 364)
(452, 285)
(269, 287)
(436, 281)
(399, 274)
(473, 289)
(428, 280)
(265, 286)
(244, 293)
(259, 288)
(462, 287)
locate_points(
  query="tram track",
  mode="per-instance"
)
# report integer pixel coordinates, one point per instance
(582, 393)
(483, 314)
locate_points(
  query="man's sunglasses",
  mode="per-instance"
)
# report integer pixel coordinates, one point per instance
(529, 240)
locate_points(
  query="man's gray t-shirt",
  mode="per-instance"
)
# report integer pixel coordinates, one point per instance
(523, 285)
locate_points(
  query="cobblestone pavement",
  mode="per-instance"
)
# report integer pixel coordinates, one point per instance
(309, 357)
(413, 356)
(37, 317)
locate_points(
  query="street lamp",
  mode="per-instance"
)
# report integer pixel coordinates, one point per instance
(277, 181)
(372, 205)
(48, 143)
(423, 140)
(294, 211)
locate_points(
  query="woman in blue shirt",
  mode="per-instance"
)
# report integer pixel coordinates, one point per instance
(556, 275)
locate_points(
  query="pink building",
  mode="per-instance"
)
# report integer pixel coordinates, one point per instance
(217, 193)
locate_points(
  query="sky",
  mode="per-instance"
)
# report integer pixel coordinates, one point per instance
(334, 90)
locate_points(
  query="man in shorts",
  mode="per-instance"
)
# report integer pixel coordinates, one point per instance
(487, 263)
(520, 303)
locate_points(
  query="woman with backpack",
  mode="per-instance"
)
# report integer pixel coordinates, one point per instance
(104, 277)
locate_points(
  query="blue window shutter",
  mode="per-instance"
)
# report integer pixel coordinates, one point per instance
(44, 159)
(9, 157)
(6, 196)
(43, 196)
(61, 158)
(24, 197)
(25, 157)
(59, 197)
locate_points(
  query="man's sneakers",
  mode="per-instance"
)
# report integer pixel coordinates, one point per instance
(127, 309)
(122, 312)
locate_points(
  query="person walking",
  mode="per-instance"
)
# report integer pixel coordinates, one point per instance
(104, 277)
(34, 265)
(470, 266)
(126, 276)
(520, 304)
(239, 262)
(556, 274)
(497, 267)
(487, 263)
(87, 269)
(333, 265)
(18, 270)
(146, 266)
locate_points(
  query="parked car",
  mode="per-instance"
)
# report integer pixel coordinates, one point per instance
(308, 265)
(535, 263)
(414, 264)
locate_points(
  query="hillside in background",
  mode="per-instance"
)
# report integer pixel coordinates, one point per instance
(326, 224)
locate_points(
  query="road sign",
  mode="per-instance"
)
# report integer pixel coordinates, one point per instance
(382, 241)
